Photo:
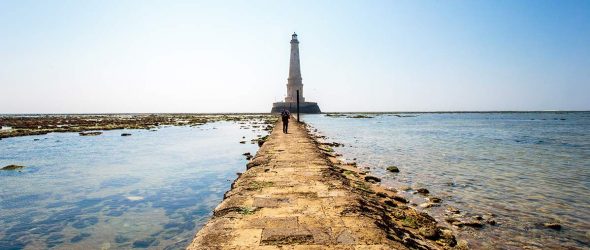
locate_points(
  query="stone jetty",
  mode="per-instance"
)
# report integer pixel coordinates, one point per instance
(296, 195)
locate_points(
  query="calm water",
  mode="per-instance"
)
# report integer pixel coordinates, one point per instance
(148, 190)
(525, 168)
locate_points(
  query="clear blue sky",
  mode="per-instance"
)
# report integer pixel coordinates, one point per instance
(232, 56)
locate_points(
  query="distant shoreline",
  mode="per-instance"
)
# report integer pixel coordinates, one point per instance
(339, 112)
(14, 125)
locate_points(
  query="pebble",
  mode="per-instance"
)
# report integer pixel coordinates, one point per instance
(552, 225)
(372, 178)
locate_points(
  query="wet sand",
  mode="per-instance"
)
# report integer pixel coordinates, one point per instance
(297, 195)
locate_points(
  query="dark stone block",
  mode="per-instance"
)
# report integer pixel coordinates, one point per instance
(119, 239)
(86, 222)
(304, 107)
(79, 237)
(144, 243)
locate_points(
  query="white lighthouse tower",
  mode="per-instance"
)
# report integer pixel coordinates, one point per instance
(294, 84)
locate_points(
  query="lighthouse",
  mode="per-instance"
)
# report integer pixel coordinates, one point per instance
(294, 84)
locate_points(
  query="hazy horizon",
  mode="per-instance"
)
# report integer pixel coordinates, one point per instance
(232, 57)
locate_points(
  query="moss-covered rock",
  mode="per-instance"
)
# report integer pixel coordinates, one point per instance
(393, 169)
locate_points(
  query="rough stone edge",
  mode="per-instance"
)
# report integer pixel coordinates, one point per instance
(411, 238)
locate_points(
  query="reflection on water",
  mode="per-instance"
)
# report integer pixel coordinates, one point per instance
(525, 168)
(148, 190)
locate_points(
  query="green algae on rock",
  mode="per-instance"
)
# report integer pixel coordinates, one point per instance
(393, 169)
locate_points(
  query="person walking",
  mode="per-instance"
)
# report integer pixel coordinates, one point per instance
(285, 115)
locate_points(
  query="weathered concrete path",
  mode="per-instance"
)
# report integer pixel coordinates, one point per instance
(293, 197)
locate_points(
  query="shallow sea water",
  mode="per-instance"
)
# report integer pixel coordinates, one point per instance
(148, 190)
(524, 168)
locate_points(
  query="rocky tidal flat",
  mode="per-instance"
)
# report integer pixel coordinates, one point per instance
(87, 124)
(120, 189)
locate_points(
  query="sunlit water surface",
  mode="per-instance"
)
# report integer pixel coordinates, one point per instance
(525, 168)
(148, 190)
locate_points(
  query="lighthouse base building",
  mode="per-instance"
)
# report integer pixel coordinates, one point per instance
(304, 107)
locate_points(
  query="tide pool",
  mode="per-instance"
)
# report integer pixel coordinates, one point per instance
(522, 169)
(153, 189)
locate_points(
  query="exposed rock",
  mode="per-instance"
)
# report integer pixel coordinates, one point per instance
(381, 194)
(435, 199)
(246, 154)
(125, 134)
(243, 142)
(360, 116)
(257, 162)
(446, 237)
(469, 223)
(451, 219)
(13, 167)
(335, 115)
(390, 203)
(428, 205)
(428, 232)
(261, 140)
(400, 199)
(393, 169)
(462, 245)
(351, 164)
(453, 210)
(333, 144)
(93, 133)
(422, 191)
(372, 178)
(552, 225)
